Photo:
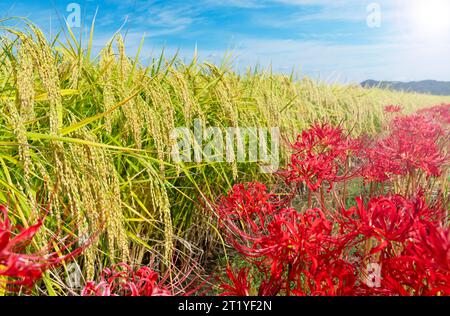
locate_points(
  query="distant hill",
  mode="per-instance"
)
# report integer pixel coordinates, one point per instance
(427, 86)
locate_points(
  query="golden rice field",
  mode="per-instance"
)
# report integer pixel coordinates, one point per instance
(86, 140)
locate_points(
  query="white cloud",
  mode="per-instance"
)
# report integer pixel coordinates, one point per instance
(385, 61)
(247, 4)
(332, 3)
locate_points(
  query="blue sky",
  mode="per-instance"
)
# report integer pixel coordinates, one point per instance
(331, 40)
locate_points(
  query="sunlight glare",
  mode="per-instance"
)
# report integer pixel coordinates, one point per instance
(431, 18)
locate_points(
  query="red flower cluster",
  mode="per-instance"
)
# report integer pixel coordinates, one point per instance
(387, 218)
(320, 155)
(307, 254)
(123, 280)
(412, 145)
(439, 113)
(333, 250)
(19, 268)
(423, 267)
(281, 241)
(238, 285)
(248, 202)
(392, 109)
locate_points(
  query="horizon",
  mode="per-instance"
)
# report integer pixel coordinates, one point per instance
(344, 41)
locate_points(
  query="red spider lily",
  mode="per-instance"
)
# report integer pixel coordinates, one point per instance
(271, 286)
(323, 252)
(288, 239)
(306, 254)
(427, 213)
(320, 153)
(391, 218)
(414, 251)
(400, 276)
(286, 245)
(388, 219)
(413, 144)
(377, 168)
(336, 278)
(123, 280)
(25, 269)
(423, 268)
(392, 109)
(408, 276)
(294, 237)
(433, 246)
(250, 203)
(238, 285)
(290, 242)
(258, 225)
(439, 113)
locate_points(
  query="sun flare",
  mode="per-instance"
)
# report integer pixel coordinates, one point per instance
(431, 18)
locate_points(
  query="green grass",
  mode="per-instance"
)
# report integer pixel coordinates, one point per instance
(88, 138)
